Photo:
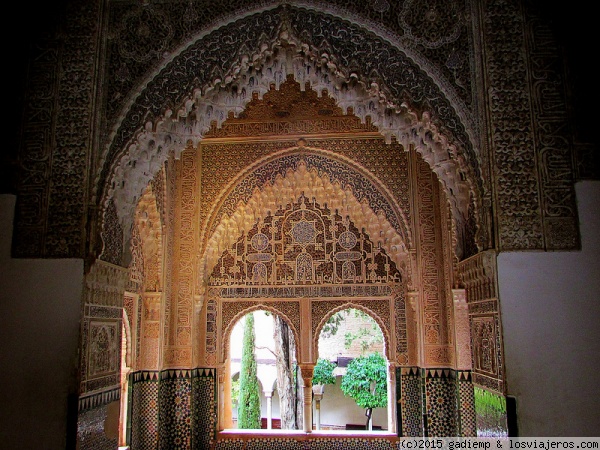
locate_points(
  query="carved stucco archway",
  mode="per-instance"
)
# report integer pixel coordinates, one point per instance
(398, 90)
(303, 182)
(304, 171)
(276, 242)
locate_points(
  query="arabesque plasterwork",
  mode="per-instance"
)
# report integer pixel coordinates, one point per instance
(432, 132)
(407, 126)
(445, 51)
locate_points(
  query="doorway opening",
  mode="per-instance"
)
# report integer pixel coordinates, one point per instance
(124, 423)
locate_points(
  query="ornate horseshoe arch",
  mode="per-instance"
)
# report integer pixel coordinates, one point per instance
(318, 175)
(395, 91)
(300, 256)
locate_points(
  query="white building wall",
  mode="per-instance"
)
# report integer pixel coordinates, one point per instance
(40, 309)
(339, 410)
(550, 306)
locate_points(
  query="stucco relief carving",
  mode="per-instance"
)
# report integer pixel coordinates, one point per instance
(136, 267)
(149, 226)
(532, 168)
(462, 330)
(485, 358)
(302, 245)
(146, 33)
(432, 23)
(301, 180)
(105, 341)
(479, 274)
(302, 242)
(183, 187)
(57, 135)
(129, 73)
(105, 284)
(111, 244)
(439, 147)
(150, 332)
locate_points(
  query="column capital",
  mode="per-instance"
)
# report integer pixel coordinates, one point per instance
(307, 370)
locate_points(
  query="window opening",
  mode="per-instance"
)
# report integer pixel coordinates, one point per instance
(350, 383)
(274, 378)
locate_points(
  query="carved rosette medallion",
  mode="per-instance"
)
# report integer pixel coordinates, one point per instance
(432, 23)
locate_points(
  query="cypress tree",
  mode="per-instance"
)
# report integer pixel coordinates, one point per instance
(249, 400)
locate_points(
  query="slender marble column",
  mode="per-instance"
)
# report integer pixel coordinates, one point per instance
(269, 397)
(306, 371)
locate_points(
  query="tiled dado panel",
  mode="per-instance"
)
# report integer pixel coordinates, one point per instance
(93, 410)
(444, 398)
(204, 408)
(174, 409)
(410, 407)
(304, 442)
(144, 416)
(466, 405)
(177, 409)
(440, 402)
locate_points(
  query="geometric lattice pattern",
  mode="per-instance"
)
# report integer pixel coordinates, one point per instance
(304, 442)
(204, 408)
(174, 399)
(230, 444)
(144, 418)
(350, 444)
(274, 444)
(411, 407)
(466, 405)
(440, 400)
(174, 409)
(90, 430)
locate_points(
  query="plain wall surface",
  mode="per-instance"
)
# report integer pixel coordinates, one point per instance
(40, 309)
(550, 306)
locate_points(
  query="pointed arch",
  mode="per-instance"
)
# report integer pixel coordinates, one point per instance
(227, 327)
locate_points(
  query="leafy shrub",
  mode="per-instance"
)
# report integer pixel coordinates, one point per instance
(323, 372)
(365, 381)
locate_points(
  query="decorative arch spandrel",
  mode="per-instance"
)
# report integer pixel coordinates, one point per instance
(396, 92)
(330, 243)
(336, 183)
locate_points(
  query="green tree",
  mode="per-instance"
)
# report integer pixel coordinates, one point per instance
(365, 381)
(323, 372)
(333, 324)
(249, 394)
(235, 390)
